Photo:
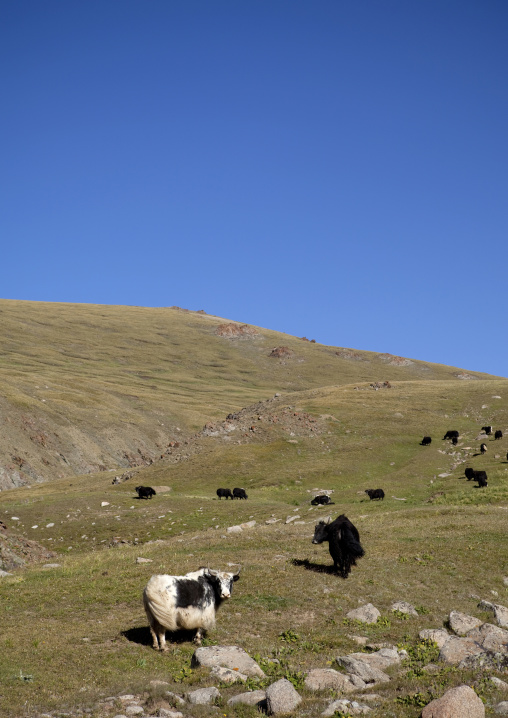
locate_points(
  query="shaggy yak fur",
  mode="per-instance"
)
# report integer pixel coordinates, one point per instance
(224, 492)
(145, 492)
(426, 441)
(451, 434)
(321, 500)
(343, 543)
(375, 494)
(239, 494)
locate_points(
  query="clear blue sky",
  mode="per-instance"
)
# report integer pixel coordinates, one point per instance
(332, 168)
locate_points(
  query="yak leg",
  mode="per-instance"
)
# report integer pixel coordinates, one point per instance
(199, 636)
(158, 636)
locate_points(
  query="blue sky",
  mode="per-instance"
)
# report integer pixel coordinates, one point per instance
(336, 169)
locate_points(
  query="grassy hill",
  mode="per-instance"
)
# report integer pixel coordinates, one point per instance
(89, 388)
(76, 634)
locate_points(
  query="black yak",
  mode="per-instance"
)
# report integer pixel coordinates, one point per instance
(145, 492)
(469, 472)
(375, 493)
(498, 434)
(343, 543)
(487, 430)
(451, 434)
(321, 500)
(481, 478)
(483, 448)
(239, 494)
(224, 492)
(426, 441)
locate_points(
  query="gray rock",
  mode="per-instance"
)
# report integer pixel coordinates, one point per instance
(456, 703)
(4, 573)
(501, 708)
(457, 649)
(281, 697)
(174, 698)
(345, 707)
(167, 713)
(501, 615)
(134, 710)
(324, 679)
(51, 565)
(252, 698)
(226, 675)
(143, 560)
(234, 529)
(203, 696)
(365, 614)
(362, 669)
(438, 635)
(404, 607)
(384, 658)
(500, 685)
(461, 623)
(490, 638)
(232, 657)
(248, 525)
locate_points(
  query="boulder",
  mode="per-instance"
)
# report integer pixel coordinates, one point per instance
(226, 675)
(362, 669)
(232, 657)
(381, 659)
(365, 614)
(325, 679)
(203, 696)
(490, 638)
(404, 607)
(456, 703)
(437, 635)
(501, 709)
(457, 649)
(500, 685)
(252, 698)
(346, 708)
(461, 623)
(169, 713)
(281, 697)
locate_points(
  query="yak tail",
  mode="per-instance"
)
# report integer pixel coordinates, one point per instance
(352, 545)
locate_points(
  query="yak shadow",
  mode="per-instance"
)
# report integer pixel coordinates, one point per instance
(142, 636)
(311, 566)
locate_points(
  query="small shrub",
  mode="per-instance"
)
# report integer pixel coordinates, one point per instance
(413, 699)
(289, 636)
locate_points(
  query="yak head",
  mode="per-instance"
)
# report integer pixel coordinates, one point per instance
(321, 532)
(224, 581)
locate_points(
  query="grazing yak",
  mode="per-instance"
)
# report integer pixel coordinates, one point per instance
(187, 602)
(498, 434)
(487, 430)
(343, 543)
(145, 492)
(426, 441)
(224, 492)
(483, 448)
(469, 472)
(375, 494)
(481, 478)
(451, 434)
(239, 494)
(321, 500)
(455, 441)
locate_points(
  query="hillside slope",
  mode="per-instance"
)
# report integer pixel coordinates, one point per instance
(86, 388)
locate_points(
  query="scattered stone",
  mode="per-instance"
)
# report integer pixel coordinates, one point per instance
(143, 560)
(490, 638)
(461, 623)
(281, 697)
(365, 614)
(404, 607)
(501, 708)
(234, 530)
(455, 703)
(126, 697)
(49, 526)
(203, 696)
(252, 698)
(347, 708)
(501, 685)
(457, 649)
(248, 525)
(168, 713)
(232, 657)
(4, 573)
(291, 518)
(361, 668)
(104, 503)
(174, 697)
(51, 565)
(226, 675)
(360, 640)
(437, 635)
(134, 710)
(324, 679)
(431, 668)
(271, 521)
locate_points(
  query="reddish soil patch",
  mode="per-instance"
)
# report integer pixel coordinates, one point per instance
(281, 353)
